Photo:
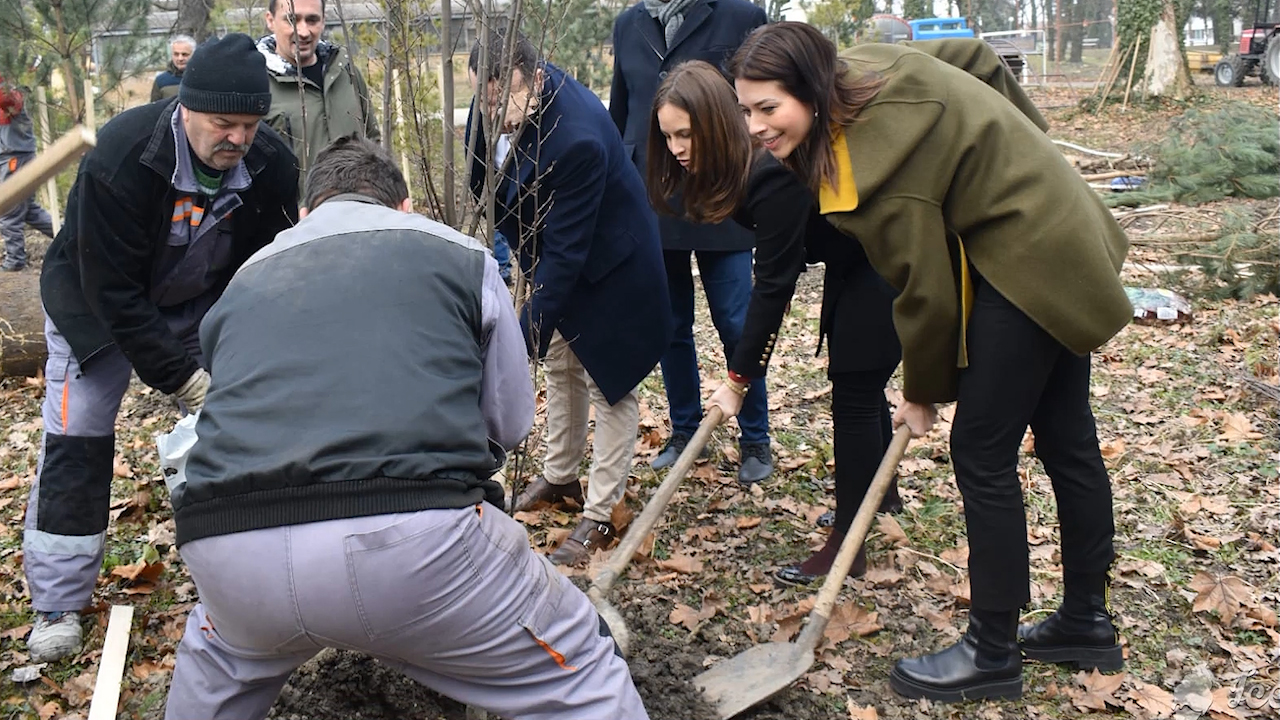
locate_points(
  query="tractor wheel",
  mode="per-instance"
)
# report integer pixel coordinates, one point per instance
(1229, 72)
(1269, 68)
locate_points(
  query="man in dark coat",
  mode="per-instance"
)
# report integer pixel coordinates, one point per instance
(166, 84)
(171, 201)
(573, 207)
(649, 39)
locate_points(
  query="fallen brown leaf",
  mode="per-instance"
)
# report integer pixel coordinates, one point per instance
(892, 531)
(1152, 698)
(1227, 595)
(139, 572)
(681, 563)
(1099, 690)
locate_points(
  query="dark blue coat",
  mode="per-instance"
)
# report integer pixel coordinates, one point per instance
(590, 240)
(712, 31)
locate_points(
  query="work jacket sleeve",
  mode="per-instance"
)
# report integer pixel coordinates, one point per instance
(506, 391)
(115, 257)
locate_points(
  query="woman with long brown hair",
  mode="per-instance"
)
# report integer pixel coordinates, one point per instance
(699, 148)
(1007, 269)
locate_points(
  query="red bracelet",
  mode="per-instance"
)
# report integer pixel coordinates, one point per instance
(738, 378)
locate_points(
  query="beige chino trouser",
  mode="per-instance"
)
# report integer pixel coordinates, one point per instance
(571, 395)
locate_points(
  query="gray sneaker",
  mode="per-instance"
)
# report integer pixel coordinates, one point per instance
(54, 636)
(675, 445)
(757, 462)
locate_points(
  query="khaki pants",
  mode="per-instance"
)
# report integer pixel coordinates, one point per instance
(570, 396)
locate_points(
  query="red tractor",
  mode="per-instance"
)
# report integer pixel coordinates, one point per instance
(1259, 51)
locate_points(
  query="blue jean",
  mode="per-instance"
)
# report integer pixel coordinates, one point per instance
(726, 280)
(502, 255)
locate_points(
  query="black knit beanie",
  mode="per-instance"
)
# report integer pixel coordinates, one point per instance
(228, 75)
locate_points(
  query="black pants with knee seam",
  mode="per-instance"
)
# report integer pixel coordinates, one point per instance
(862, 430)
(1020, 376)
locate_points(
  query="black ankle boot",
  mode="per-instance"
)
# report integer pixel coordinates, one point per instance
(984, 664)
(1080, 633)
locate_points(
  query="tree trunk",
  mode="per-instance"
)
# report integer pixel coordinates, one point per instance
(1166, 71)
(1223, 32)
(22, 350)
(193, 19)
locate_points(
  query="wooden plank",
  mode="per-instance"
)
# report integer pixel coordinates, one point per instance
(106, 692)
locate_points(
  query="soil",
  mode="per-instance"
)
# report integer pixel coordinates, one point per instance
(339, 684)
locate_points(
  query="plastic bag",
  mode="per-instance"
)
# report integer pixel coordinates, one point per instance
(174, 446)
(1153, 306)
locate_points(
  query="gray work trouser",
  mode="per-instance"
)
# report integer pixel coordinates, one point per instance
(455, 599)
(27, 212)
(70, 501)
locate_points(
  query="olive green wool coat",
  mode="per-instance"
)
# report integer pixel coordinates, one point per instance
(944, 163)
(342, 109)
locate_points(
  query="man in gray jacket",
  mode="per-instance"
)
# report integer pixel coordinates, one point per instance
(368, 375)
(17, 148)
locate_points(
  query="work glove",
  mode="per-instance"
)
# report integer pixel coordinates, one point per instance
(192, 391)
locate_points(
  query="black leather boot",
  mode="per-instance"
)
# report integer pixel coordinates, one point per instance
(1080, 633)
(984, 664)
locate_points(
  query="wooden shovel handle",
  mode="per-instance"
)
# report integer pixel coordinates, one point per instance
(46, 165)
(657, 504)
(885, 474)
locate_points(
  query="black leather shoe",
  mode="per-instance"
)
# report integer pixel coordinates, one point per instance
(1084, 643)
(982, 665)
(540, 491)
(819, 564)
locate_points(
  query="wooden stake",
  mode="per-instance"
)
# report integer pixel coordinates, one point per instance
(404, 155)
(46, 137)
(45, 166)
(106, 691)
(1115, 76)
(1132, 64)
(1106, 68)
(90, 121)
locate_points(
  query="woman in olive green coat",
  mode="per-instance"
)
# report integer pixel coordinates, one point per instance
(1007, 269)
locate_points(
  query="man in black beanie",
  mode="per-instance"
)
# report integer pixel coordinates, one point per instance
(174, 198)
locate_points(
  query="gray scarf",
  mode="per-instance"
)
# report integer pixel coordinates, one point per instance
(670, 14)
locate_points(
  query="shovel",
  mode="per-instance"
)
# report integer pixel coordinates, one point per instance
(757, 674)
(641, 527)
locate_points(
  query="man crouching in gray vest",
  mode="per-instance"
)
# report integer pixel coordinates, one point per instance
(368, 374)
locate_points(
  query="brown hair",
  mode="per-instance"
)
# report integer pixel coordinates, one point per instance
(716, 180)
(352, 164)
(804, 62)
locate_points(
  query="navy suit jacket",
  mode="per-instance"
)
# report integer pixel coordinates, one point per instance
(712, 31)
(573, 207)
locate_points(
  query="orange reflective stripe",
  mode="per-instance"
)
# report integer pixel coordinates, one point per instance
(552, 652)
(13, 164)
(66, 393)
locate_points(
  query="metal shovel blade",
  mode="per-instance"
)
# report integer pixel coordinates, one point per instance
(753, 676)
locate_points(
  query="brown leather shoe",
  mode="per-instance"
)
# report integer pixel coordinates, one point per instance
(542, 491)
(585, 539)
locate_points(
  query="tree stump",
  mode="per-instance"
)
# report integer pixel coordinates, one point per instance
(22, 348)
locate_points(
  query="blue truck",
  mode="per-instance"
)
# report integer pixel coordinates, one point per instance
(939, 28)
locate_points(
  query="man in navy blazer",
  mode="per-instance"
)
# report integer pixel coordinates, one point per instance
(574, 209)
(649, 39)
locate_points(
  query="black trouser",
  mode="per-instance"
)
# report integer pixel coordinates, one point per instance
(1018, 375)
(863, 428)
